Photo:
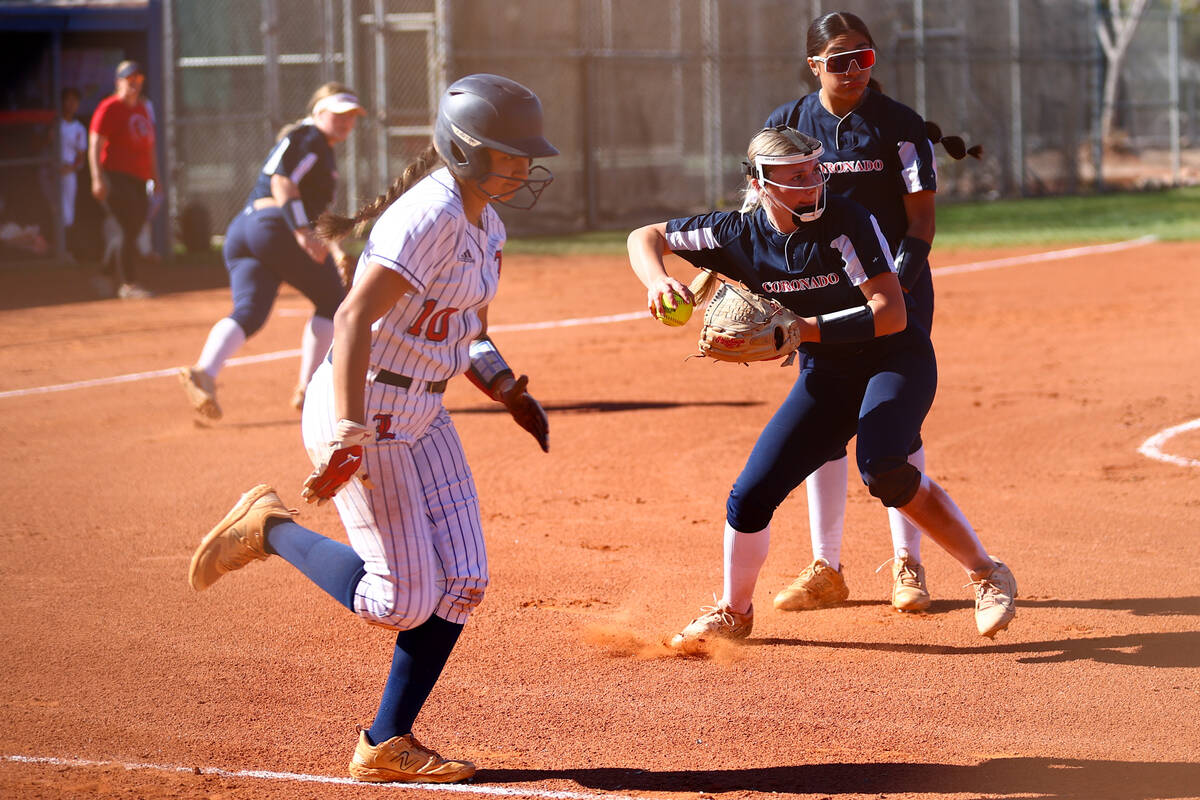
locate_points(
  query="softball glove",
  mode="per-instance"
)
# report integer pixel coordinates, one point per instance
(742, 327)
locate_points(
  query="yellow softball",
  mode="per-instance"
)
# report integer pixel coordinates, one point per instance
(676, 311)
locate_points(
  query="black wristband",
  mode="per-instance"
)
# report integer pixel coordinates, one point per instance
(912, 258)
(849, 325)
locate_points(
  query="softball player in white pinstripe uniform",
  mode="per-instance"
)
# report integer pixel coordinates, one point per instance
(415, 317)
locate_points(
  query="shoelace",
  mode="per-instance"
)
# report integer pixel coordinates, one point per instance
(814, 569)
(908, 574)
(722, 613)
(716, 611)
(986, 591)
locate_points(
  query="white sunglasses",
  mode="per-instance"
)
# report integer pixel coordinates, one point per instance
(839, 63)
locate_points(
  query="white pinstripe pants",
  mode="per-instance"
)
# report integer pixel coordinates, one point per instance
(419, 531)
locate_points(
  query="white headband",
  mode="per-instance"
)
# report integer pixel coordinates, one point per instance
(338, 104)
(761, 161)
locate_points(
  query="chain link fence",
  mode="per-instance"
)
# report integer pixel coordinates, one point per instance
(652, 102)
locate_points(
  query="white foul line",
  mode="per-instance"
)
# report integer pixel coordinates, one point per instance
(298, 777)
(139, 376)
(1051, 255)
(1152, 447)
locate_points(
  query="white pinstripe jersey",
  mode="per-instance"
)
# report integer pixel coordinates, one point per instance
(454, 267)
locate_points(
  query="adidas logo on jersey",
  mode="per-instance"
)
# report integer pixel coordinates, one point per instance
(467, 257)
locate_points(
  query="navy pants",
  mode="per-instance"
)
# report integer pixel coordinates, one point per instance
(882, 398)
(261, 253)
(920, 309)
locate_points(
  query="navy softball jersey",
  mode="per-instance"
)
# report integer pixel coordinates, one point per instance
(260, 249)
(875, 155)
(817, 269)
(879, 390)
(305, 157)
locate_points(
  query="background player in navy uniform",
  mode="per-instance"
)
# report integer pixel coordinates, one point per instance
(868, 369)
(272, 241)
(415, 317)
(877, 152)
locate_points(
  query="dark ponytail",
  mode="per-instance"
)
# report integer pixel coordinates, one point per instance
(334, 227)
(954, 145)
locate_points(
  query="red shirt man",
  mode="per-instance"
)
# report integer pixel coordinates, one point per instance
(128, 137)
(121, 156)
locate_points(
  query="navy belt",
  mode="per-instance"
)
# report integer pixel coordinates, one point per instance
(403, 381)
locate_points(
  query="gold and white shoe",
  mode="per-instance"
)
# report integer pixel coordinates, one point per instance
(715, 623)
(909, 592)
(201, 391)
(402, 759)
(237, 539)
(818, 586)
(995, 599)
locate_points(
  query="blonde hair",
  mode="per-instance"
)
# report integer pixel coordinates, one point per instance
(323, 91)
(334, 227)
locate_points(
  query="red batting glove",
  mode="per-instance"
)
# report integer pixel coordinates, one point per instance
(341, 460)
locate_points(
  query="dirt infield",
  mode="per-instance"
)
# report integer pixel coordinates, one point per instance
(119, 681)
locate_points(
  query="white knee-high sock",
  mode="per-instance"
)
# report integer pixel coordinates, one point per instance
(905, 535)
(225, 338)
(827, 509)
(314, 344)
(744, 557)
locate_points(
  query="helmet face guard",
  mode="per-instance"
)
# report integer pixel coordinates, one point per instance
(485, 111)
(526, 195)
(811, 153)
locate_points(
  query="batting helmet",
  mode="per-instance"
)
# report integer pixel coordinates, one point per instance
(484, 110)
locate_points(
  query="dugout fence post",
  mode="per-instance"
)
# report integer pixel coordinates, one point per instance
(711, 81)
(169, 167)
(1017, 149)
(1097, 99)
(348, 78)
(54, 163)
(1173, 91)
(380, 75)
(270, 40)
(919, 46)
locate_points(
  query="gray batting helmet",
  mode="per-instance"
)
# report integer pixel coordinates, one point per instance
(488, 111)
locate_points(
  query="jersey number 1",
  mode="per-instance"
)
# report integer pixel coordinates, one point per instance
(435, 323)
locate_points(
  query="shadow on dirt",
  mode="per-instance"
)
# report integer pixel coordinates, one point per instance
(1029, 778)
(610, 406)
(1138, 606)
(1174, 649)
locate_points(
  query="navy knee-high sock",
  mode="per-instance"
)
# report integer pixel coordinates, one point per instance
(333, 566)
(416, 664)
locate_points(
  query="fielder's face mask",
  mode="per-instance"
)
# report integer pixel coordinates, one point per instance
(816, 181)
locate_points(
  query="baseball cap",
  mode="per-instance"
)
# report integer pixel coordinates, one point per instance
(339, 104)
(127, 68)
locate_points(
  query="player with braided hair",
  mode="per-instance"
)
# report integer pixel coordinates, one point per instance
(272, 241)
(868, 369)
(415, 317)
(878, 152)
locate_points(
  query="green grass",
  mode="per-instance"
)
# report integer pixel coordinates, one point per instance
(1172, 214)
